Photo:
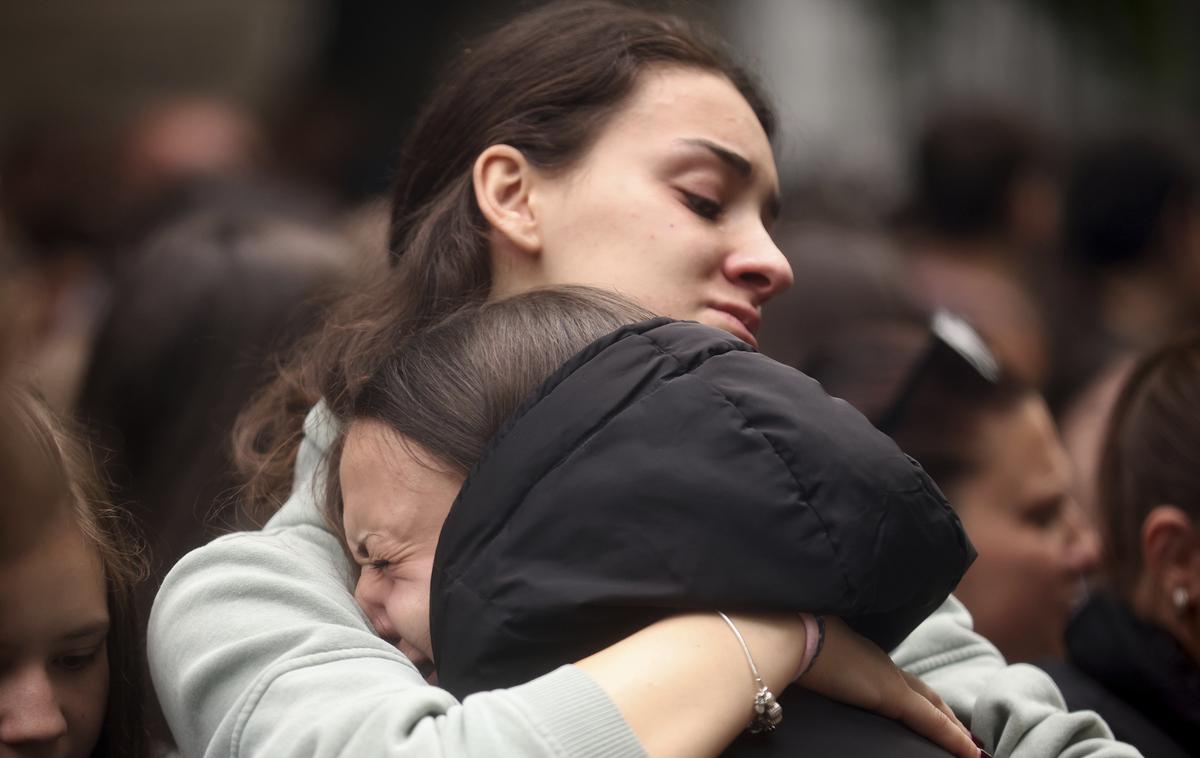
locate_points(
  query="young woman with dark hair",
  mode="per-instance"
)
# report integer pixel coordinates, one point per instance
(990, 444)
(582, 143)
(1133, 651)
(70, 642)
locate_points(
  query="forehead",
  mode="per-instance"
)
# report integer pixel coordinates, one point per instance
(58, 587)
(1024, 453)
(671, 104)
(390, 485)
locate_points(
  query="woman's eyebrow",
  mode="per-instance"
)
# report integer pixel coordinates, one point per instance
(737, 162)
(743, 167)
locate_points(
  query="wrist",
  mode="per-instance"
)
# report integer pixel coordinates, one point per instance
(814, 641)
(777, 642)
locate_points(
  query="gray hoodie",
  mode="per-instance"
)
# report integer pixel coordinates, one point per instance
(257, 648)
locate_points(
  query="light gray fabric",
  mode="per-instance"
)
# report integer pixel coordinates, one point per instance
(257, 649)
(1015, 710)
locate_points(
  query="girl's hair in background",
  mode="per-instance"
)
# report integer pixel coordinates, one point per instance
(924, 395)
(545, 83)
(51, 480)
(1151, 454)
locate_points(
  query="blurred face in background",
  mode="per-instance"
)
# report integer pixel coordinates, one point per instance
(1034, 544)
(53, 647)
(672, 207)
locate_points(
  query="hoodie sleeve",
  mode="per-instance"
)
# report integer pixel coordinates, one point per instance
(258, 649)
(1016, 710)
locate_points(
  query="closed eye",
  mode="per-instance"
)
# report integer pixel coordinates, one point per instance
(77, 661)
(380, 565)
(703, 206)
(1045, 514)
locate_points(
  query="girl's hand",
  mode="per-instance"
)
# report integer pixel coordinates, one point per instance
(852, 670)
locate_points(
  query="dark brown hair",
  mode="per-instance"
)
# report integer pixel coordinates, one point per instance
(1151, 453)
(450, 387)
(545, 83)
(929, 399)
(70, 486)
(966, 166)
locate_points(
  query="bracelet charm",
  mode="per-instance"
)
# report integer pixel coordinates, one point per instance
(768, 713)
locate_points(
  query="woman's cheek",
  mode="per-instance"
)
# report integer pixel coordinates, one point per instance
(85, 702)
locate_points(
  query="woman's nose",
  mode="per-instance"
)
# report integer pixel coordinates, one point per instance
(759, 265)
(1083, 541)
(29, 709)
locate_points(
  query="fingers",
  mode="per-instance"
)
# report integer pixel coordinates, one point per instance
(925, 691)
(854, 671)
(923, 716)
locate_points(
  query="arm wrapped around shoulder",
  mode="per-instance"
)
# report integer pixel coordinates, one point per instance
(667, 467)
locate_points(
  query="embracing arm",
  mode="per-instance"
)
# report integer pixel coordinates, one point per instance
(1016, 710)
(257, 648)
(255, 652)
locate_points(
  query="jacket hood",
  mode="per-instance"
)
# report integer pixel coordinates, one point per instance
(669, 466)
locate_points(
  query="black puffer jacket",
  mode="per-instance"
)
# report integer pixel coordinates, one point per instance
(669, 466)
(1135, 675)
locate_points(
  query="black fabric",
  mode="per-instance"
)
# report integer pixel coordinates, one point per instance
(1135, 675)
(667, 467)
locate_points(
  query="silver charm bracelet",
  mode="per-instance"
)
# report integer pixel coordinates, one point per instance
(768, 713)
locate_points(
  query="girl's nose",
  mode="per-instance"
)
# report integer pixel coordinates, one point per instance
(29, 710)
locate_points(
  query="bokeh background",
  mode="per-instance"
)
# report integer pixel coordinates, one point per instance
(181, 181)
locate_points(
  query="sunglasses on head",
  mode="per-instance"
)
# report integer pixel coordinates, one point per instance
(952, 342)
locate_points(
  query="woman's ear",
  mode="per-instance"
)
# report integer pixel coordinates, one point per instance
(504, 182)
(1171, 554)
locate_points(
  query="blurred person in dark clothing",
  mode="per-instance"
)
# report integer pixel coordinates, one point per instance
(228, 280)
(1133, 237)
(1133, 230)
(60, 216)
(197, 315)
(984, 213)
(76, 197)
(1133, 651)
(989, 442)
(177, 141)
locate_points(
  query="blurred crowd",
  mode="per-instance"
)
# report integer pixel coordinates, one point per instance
(155, 276)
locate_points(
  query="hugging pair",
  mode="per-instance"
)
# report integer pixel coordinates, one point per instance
(534, 479)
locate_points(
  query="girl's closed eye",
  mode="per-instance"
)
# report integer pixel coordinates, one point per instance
(78, 660)
(380, 564)
(1044, 515)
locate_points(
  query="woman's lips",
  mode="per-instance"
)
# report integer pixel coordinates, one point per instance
(741, 322)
